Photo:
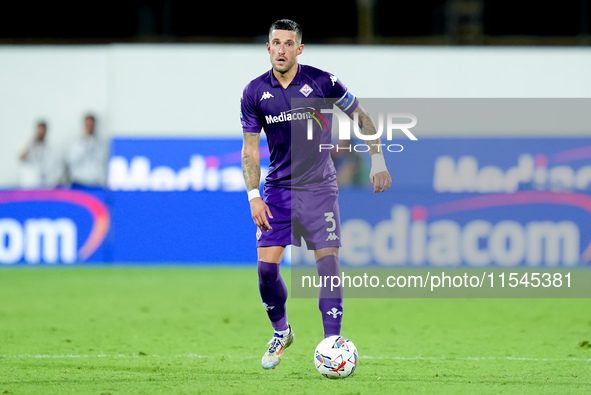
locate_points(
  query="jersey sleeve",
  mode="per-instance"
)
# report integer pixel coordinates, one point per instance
(249, 116)
(344, 99)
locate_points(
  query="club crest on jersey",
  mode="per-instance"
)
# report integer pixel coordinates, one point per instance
(306, 90)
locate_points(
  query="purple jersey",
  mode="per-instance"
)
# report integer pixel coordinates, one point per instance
(285, 114)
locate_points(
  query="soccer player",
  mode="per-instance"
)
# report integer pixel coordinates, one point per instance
(300, 192)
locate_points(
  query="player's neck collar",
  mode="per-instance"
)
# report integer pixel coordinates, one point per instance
(294, 81)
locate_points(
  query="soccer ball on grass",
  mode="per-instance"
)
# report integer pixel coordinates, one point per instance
(335, 357)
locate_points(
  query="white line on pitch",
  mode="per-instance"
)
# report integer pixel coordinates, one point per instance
(367, 357)
(443, 357)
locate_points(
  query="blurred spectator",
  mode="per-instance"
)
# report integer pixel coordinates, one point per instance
(38, 166)
(86, 158)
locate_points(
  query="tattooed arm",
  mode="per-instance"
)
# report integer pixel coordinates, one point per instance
(251, 169)
(379, 176)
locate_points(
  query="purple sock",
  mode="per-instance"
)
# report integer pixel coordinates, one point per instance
(330, 302)
(273, 293)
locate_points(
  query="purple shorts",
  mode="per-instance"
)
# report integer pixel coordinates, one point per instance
(311, 215)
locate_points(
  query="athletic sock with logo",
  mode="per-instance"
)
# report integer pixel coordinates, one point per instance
(330, 302)
(273, 293)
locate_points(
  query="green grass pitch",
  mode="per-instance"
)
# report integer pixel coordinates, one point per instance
(188, 330)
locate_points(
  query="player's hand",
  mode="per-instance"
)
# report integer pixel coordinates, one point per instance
(381, 181)
(260, 211)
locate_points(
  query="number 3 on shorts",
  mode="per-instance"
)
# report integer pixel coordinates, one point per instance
(329, 217)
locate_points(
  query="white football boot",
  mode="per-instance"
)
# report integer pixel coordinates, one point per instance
(277, 345)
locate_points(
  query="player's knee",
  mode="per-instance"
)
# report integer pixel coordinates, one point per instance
(328, 251)
(268, 272)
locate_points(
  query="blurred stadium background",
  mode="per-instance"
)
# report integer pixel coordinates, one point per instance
(164, 79)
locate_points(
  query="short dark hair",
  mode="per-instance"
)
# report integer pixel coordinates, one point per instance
(42, 123)
(289, 25)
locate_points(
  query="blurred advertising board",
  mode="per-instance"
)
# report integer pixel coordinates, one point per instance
(490, 165)
(53, 226)
(478, 202)
(180, 200)
(181, 164)
(454, 203)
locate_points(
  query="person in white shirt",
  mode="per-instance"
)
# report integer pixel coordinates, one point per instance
(37, 162)
(86, 158)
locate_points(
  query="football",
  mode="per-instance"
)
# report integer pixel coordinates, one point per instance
(335, 357)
